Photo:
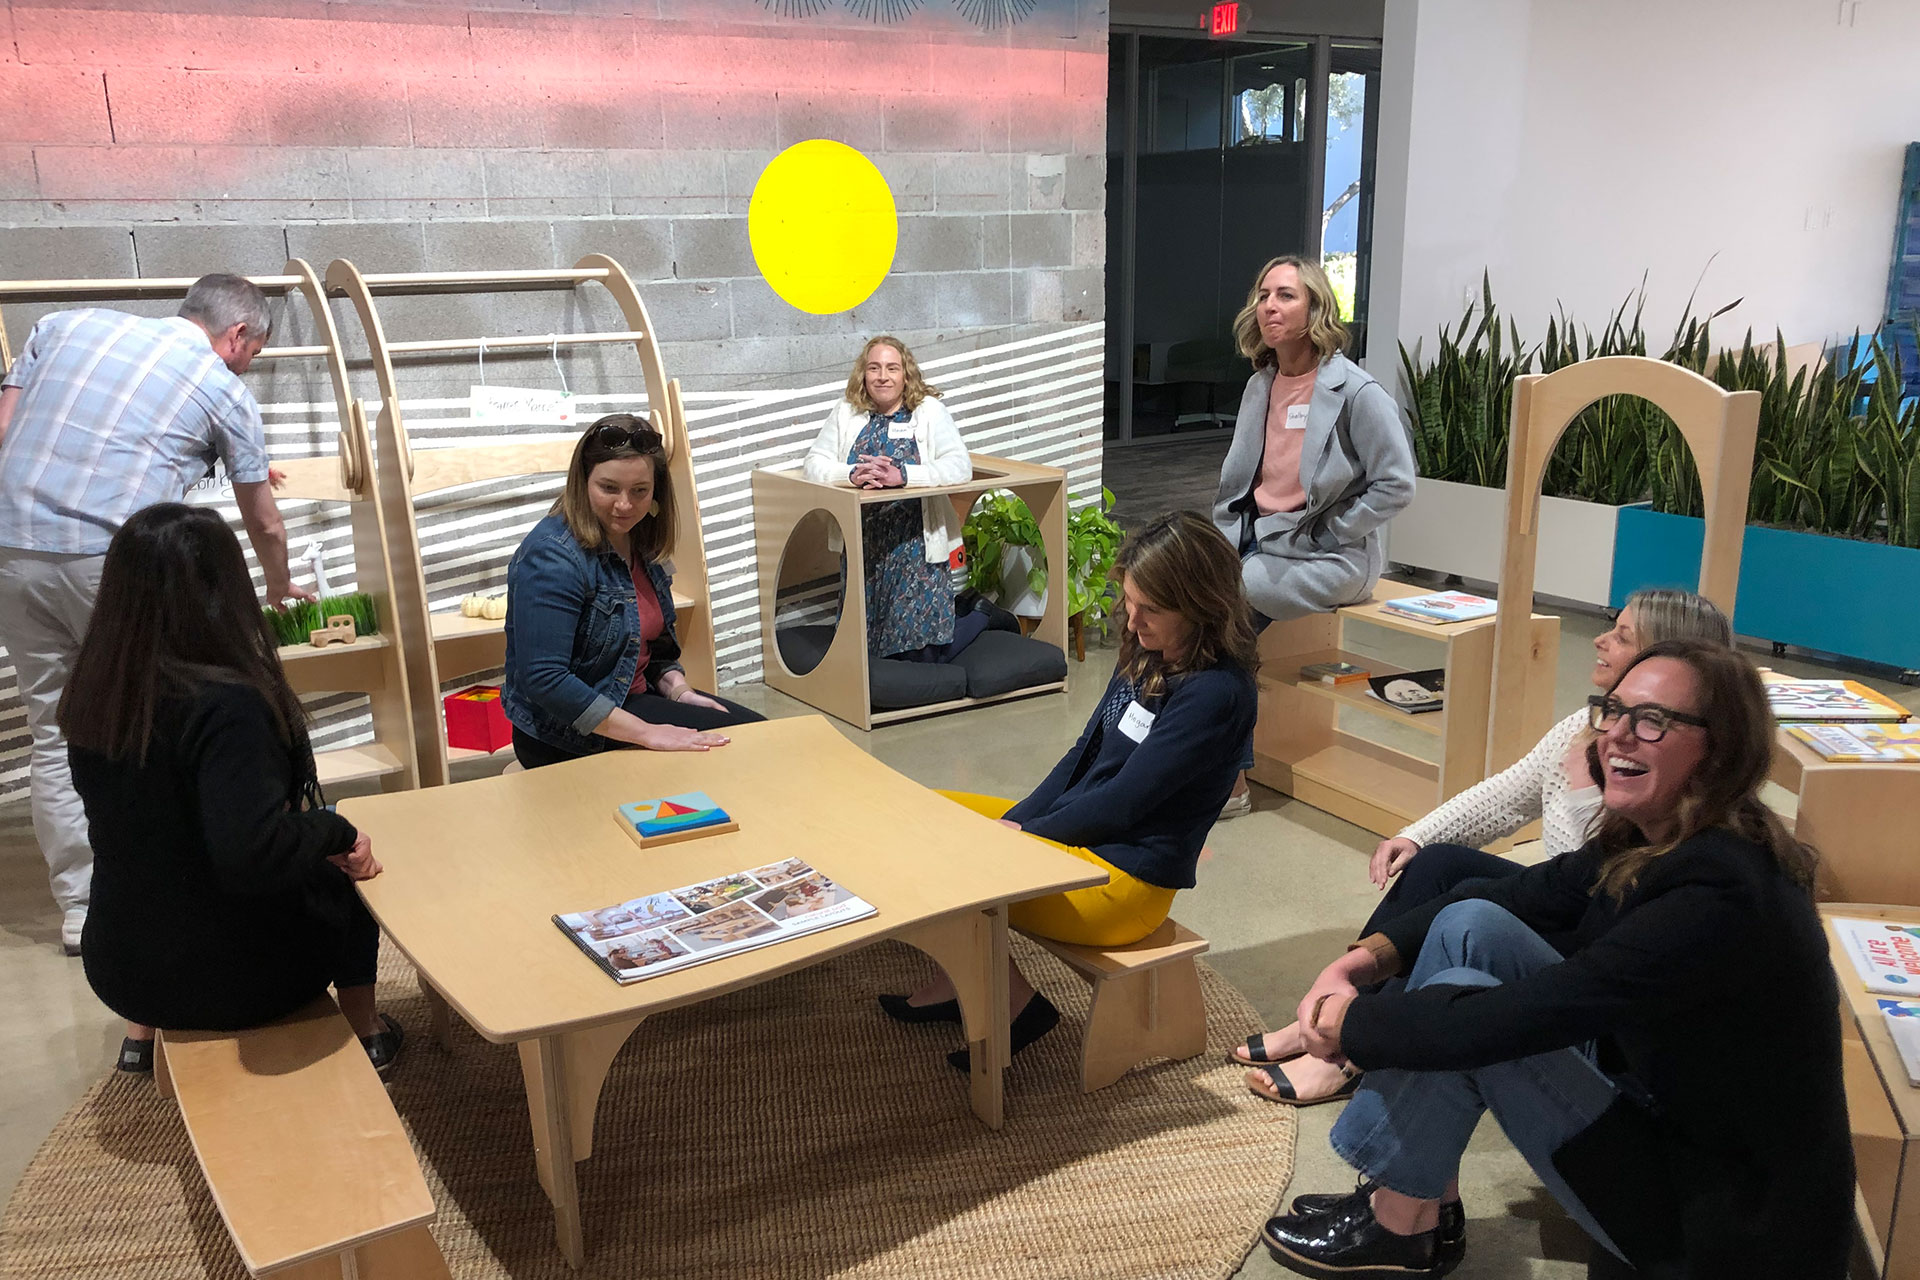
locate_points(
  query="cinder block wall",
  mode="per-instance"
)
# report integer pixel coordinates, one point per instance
(142, 139)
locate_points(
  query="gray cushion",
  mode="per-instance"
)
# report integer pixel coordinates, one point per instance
(892, 685)
(1000, 661)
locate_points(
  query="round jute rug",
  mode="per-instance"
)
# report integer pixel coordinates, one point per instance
(787, 1131)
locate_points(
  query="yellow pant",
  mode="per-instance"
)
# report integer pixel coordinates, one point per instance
(1123, 910)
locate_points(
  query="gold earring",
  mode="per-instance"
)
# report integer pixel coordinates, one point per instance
(653, 508)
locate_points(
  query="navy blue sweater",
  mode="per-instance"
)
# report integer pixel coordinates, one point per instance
(1146, 807)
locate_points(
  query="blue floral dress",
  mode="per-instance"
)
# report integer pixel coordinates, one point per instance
(909, 601)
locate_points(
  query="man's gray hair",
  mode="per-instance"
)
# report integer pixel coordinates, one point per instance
(218, 302)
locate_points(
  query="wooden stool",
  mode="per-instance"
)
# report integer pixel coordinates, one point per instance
(1146, 1001)
(302, 1149)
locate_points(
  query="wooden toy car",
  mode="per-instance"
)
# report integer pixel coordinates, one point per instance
(339, 630)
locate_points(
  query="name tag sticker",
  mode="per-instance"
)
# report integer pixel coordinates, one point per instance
(900, 431)
(1296, 417)
(1136, 722)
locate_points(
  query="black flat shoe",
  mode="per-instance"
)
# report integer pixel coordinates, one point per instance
(1453, 1217)
(897, 1008)
(383, 1046)
(1350, 1244)
(1038, 1018)
(136, 1056)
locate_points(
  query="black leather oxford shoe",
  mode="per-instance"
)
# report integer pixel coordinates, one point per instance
(1348, 1243)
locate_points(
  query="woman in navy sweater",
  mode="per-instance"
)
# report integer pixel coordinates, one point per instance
(1139, 791)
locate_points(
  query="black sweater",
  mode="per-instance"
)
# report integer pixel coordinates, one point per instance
(213, 905)
(1708, 991)
(1146, 807)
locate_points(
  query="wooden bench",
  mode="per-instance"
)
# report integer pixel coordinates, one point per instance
(302, 1149)
(1146, 1001)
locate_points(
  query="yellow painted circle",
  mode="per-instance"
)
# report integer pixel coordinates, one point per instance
(823, 227)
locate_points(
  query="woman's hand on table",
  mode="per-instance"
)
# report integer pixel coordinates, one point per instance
(1008, 823)
(358, 862)
(669, 737)
(1390, 859)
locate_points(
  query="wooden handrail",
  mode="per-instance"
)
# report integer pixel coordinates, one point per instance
(423, 282)
(110, 290)
(528, 342)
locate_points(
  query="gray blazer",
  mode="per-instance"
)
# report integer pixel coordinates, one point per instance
(1356, 465)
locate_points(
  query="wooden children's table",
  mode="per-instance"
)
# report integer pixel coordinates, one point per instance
(474, 873)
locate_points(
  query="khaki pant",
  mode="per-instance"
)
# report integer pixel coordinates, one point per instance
(46, 600)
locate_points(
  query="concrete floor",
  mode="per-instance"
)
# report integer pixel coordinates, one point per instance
(1282, 893)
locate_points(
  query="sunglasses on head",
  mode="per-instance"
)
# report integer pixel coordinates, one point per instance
(612, 435)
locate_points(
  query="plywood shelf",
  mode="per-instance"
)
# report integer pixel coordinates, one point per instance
(1357, 694)
(356, 764)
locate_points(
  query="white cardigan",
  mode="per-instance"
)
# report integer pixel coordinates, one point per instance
(1535, 786)
(943, 460)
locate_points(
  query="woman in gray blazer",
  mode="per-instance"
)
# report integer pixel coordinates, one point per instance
(1320, 459)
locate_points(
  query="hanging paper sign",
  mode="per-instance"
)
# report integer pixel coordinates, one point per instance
(520, 405)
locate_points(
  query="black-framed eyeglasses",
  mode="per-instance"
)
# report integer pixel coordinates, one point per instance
(612, 435)
(1649, 721)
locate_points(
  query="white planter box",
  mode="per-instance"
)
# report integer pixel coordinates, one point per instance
(1460, 528)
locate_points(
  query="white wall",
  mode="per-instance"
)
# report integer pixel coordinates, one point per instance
(1570, 146)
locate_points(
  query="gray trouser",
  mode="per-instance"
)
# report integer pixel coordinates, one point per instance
(45, 601)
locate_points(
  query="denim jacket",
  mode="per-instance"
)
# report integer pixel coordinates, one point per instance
(573, 637)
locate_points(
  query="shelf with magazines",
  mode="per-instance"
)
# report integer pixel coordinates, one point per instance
(412, 482)
(371, 665)
(1325, 744)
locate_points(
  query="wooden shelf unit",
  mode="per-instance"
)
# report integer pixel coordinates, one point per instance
(373, 664)
(782, 499)
(452, 645)
(1301, 748)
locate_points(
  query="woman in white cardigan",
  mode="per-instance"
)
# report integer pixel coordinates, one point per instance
(892, 432)
(1553, 784)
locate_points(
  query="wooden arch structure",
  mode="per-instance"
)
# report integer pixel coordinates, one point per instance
(1719, 428)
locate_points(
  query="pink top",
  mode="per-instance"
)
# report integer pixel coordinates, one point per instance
(1280, 488)
(652, 622)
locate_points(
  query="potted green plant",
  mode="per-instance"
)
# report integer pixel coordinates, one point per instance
(1007, 561)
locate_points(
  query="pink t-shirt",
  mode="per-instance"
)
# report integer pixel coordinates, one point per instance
(652, 623)
(1280, 488)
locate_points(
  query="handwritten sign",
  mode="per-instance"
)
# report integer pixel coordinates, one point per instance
(519, 405)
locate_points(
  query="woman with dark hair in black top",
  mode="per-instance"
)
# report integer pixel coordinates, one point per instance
(222, 890)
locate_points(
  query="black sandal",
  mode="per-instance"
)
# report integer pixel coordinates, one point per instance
(136, 1056)
(1283, 1087)
(1257, 1053)
(383, 1046)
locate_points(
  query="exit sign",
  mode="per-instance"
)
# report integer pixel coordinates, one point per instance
(1224, 20)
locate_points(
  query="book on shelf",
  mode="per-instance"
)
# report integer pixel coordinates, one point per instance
(1859, 743)
(1413, 692)
(1442, 606)
(661, 932)
(1885, 953)
(681, 817)
(1903, 1024)
(1334, 673)
(1831, 701)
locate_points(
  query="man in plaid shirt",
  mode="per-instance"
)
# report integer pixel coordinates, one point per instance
(102, 414)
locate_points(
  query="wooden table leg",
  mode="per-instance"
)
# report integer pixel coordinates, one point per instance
(439, 1014)
(971, 947)
(549, 1106)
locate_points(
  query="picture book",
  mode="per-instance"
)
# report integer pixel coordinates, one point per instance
(682, 817)
(1854, 743)
(1885, 953)
(1333, 672)
(721, 917)
(1829, 701)
(1903, 1024)
(1442, 606)
(1413, 692)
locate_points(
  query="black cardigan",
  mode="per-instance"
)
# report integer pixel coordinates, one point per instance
(213, 907)
(1147, 807)
(1709, 992)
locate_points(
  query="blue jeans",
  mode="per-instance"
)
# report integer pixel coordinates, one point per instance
(1407, 1129)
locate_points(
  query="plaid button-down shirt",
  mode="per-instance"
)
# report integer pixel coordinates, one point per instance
(116, 413)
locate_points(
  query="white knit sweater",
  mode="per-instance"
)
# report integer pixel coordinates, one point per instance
(1534, 787)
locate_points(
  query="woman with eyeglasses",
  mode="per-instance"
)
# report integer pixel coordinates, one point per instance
(890, 431)
(592, 661)
(1673, 1076)
(1550, 785)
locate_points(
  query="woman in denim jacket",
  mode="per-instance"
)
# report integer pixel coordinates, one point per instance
(592, 661)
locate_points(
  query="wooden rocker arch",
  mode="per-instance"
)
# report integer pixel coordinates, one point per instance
(452, 646)
(1719, 427)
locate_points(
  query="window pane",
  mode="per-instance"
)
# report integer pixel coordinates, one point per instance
(1267, 96)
